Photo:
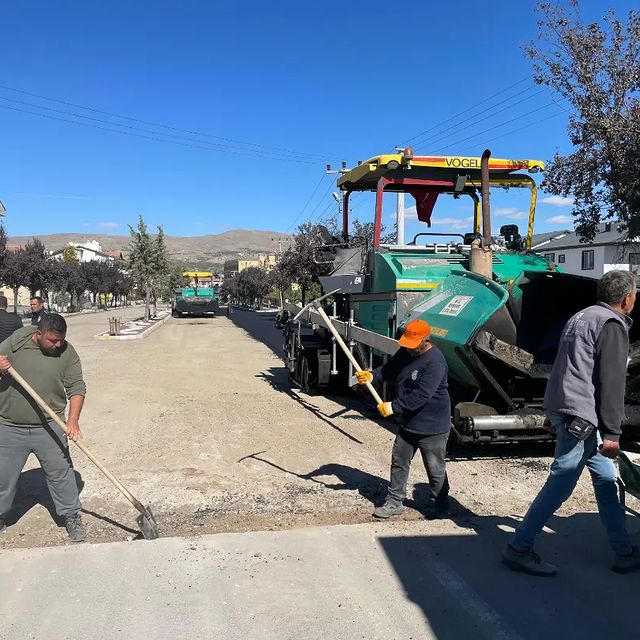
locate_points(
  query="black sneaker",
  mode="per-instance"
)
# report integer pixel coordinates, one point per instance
(628, 563)
(75, 528)
(527, 562)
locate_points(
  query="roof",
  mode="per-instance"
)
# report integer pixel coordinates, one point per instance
(366, 174)
(607, 234)
(75, 247)
(540, 239)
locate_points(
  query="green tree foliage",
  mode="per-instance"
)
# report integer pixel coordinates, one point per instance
(303, 262)
(14, 271)
(148, 262)
(37, 267)
(249, 286)
(595, 69)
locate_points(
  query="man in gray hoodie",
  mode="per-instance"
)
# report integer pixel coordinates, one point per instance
(585, 403)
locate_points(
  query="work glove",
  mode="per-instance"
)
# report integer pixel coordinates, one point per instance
(385, 409)
(364, 376)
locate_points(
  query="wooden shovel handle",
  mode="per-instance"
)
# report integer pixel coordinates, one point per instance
(347, 352)
(87, 452)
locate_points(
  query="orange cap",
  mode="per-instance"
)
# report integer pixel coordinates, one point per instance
(414, 333)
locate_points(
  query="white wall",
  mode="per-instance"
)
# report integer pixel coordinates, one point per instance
(573, 260)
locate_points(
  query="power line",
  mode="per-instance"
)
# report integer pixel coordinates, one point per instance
(306, 204)
(244, 152)
(216, 145)
(502, 124)
(155, 124)
(471, 108)
(437, 137)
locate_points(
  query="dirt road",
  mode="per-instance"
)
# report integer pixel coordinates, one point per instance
(199, 420)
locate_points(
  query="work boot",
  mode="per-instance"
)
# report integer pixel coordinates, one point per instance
(75, 528)
(527, 562)
(437, 511)
(628, 563)
(390, 508)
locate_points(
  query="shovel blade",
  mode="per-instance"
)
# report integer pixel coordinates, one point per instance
(148, 525)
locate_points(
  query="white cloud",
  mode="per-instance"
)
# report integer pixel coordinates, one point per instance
(455, 223)
(510, 212)
(560, 219)
(558, 201)
(108, 225)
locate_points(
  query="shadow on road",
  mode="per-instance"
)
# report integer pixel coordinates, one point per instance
(32, 490)
(259, 326)
(465, 592)
(370, 487)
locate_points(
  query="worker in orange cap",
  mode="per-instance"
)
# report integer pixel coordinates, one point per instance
(423, 408)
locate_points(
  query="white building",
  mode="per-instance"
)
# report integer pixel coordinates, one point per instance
(608, 251)
(87, 251)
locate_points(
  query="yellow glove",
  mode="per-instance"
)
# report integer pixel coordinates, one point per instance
(385, 409)
(364, 376)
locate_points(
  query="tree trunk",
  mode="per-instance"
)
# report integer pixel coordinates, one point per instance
(147, 303)
(15, 299)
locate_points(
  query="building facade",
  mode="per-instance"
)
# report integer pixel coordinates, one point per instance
(609, 250)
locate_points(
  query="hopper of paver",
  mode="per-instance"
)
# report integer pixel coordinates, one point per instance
(501, 341)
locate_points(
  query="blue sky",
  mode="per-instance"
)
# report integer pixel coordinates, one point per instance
(279, 89)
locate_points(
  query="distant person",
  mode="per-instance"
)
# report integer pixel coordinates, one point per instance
(37, 310)
(423, 409)
(9, 322)
(52, 367)
(585, 403)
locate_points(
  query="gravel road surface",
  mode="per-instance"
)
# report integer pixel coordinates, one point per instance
(200, 422)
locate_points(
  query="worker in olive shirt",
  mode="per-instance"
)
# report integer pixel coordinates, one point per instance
(423, 408)
(52, 367)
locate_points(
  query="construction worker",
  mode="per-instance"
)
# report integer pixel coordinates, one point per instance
(52, 367)
(585, 402)
(423, 408)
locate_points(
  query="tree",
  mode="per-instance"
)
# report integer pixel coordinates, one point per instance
(595, 68)
(302, 263)
(14, 273)
(253, 285)
(37, 268)
(147, 261)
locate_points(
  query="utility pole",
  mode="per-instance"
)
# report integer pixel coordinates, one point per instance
(400, 218)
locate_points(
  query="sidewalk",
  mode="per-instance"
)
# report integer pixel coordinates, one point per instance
(139, 328)
(381, 581)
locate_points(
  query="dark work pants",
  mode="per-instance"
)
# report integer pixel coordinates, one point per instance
(432, 448)
(49, 444)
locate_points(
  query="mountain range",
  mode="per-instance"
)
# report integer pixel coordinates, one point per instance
(198, 251)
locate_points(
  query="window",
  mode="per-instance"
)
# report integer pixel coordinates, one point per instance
(551, 257)
(587, 259)
(634, 262)
(561, 258)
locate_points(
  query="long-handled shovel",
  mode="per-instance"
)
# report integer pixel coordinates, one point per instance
(341, 343)
(146, 521)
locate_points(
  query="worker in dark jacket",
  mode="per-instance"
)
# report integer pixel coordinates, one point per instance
(585, 403)
(37, 310)
(423, 408)
(9, 322)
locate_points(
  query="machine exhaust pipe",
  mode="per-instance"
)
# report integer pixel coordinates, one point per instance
(481, 259)
(501, 423)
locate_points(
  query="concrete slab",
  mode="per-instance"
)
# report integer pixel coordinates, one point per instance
(380, 581)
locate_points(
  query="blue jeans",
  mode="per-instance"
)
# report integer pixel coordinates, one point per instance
(571, 457)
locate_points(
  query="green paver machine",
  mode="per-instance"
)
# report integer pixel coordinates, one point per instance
(496, 309)
(198, 296)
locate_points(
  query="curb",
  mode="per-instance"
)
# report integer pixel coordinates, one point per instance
(143, 334)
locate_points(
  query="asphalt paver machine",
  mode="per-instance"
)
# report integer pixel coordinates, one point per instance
(496, 310)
